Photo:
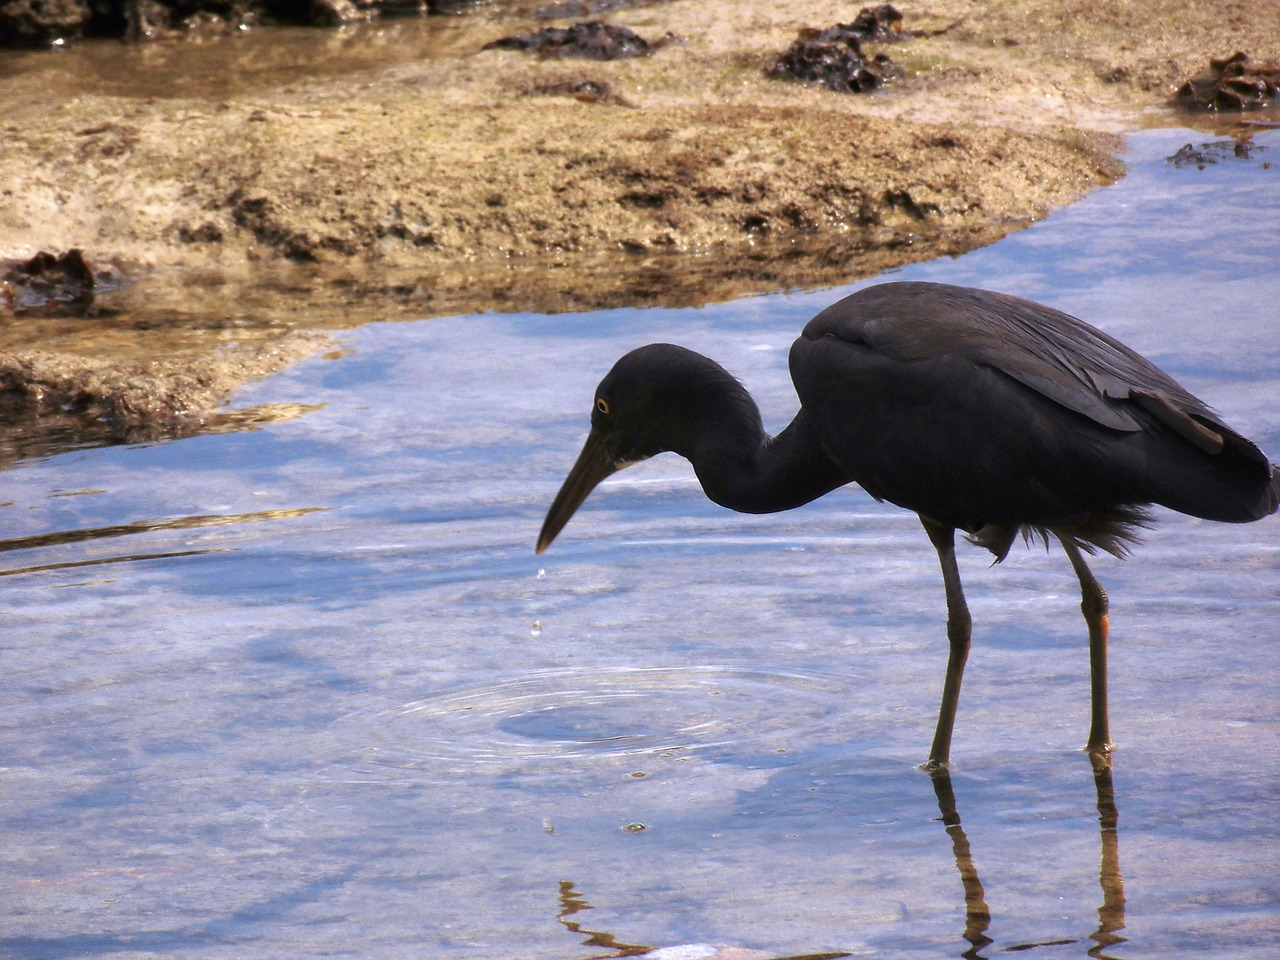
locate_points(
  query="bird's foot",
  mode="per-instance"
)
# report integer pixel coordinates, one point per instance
(1100, 754)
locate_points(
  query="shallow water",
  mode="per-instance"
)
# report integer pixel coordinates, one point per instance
(307, 690)
(242, 62)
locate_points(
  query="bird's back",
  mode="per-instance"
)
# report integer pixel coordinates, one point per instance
(978, 408)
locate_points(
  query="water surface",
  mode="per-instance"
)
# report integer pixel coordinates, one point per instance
(307, 691)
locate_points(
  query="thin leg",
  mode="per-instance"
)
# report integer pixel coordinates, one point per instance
(1093, 603)
(959, 626)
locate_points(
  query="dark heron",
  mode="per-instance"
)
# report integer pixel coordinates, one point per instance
(980, 411)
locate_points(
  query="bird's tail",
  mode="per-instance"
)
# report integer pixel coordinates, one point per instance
(1274, 502)
(1237, 484)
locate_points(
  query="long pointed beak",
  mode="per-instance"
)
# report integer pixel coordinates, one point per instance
(594, 464)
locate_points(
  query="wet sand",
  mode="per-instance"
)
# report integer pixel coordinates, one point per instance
(261, 188)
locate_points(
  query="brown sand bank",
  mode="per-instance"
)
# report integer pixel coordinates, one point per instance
(261, 188)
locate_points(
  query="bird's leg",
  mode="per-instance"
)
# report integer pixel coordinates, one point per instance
(1093, 602)
(959, 627)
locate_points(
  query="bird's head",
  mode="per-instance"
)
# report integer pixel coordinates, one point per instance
(655, 399)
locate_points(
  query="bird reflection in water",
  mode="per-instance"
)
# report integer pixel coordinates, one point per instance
(977, 922)
(1111, 911)
(977, 915)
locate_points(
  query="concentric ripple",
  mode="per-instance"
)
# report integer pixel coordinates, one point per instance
(568, 719)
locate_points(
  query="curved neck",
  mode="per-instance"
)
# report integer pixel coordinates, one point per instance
(745, 469)
(690, 405)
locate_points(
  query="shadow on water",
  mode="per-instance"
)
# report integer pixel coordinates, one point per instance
(223, 932)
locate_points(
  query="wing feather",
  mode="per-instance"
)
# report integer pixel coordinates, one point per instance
(945, 400)
(1060, 357)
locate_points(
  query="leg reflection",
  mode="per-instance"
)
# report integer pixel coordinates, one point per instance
(977, 915)
(976, 912)
(1111, 912)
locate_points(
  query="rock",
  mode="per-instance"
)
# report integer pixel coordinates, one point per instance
(39, 23)
(1232, 83)
(834, 58)
(50, 284)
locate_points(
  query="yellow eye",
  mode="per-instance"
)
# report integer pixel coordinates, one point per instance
(603, 405)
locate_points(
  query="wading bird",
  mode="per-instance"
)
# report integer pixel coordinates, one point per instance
(980, 411)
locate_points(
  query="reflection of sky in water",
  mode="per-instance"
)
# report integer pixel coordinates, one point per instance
(339, 732)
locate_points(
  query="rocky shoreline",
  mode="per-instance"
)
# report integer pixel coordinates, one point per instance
(290, 182)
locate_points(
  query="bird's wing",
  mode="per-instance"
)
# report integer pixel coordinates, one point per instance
(1058, 356)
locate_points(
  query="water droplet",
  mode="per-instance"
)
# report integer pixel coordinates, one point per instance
(536, 629)
(542, 574)
(547, 826)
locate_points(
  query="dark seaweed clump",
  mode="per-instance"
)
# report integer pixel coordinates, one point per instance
(834, 56)
(57, 284)
(1190, 155)
(1232, 83)
(591, 40)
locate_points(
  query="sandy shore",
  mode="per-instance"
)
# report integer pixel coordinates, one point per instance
(274, 200)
